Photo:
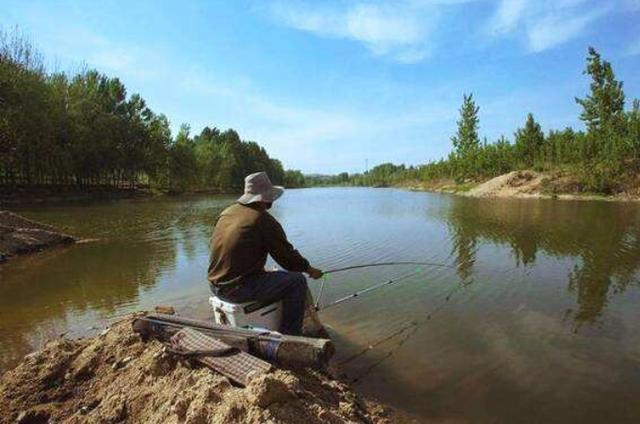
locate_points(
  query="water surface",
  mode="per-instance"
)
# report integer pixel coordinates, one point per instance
(535, 318)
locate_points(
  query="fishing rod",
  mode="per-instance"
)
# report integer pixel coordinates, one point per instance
(331, 271)
(377, 286)
(368, 289)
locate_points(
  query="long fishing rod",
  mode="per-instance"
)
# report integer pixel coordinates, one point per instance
(368, 289)
(331, 271)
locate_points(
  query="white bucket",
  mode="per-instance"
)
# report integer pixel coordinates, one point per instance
(253, 314)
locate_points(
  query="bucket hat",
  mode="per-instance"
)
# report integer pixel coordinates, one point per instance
(258, 188)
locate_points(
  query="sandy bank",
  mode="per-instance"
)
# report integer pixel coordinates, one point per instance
(521, 184)
(19, 236)
(514, 184)
(116, 377)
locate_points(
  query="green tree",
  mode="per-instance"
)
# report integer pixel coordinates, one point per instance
(85, 130)
(529, 141)
(293, 179)
(466, 141)
(603, 108)
(182, 165)
(633, 132)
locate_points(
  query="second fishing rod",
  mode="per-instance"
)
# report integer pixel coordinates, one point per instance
(375, 286)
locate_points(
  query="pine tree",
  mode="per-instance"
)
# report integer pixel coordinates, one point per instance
(466, 139)
(529, 141)
(603, 108)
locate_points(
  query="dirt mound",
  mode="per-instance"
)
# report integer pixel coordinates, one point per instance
(513, 184)
(116, 377)
(19, 235)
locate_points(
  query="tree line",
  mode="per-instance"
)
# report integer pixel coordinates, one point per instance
(84, 130)
(605, 158)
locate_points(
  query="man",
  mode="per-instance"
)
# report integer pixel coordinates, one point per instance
(243, 236)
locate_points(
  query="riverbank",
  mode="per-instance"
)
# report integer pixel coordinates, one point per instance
(19, 236)
(521, 184)
(55, 195)
(117, 377)
(51, 195)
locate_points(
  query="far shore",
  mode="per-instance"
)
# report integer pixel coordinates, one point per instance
(54, 195)
(523, 184)
(519, 185)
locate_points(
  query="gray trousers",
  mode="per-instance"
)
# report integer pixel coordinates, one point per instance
(289, 287)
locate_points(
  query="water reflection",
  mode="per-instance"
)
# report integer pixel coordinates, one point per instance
(602, 238)
(487, 340)
(72, 289)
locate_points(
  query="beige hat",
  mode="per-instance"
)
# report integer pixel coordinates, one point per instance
(258, 188)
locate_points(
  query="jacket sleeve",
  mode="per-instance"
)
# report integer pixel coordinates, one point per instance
(279, 247)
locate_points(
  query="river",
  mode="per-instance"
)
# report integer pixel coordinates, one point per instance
(535, 318)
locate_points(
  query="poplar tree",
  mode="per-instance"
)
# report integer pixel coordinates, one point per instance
(633, 131)
(603, 108)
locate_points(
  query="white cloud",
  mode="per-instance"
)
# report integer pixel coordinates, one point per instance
(79, 46)
(286, 126)
(507, 16)
(545, 23)
(301, 135)
(554, 30)
(114, 59)
(398, 31)
(382, 28)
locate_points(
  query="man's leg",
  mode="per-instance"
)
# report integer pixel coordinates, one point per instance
(290, 287)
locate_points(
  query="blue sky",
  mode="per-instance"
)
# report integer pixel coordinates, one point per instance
(324, 85)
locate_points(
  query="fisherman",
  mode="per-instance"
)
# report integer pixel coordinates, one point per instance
(243, 236)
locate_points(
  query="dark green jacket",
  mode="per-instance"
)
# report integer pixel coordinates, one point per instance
(242, 238)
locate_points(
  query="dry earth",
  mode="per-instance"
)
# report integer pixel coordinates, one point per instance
(116, 377)
(526, 184)
(513, 184)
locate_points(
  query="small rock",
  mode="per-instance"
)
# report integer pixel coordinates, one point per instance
(164, 309)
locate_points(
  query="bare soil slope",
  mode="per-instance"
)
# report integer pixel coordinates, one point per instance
(513, 184)
(116, 377)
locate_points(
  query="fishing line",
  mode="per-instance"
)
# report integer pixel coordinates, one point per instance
(332, 271)
(413, 326)
(413, 323)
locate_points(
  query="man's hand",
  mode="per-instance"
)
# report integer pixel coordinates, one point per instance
(314, 273)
